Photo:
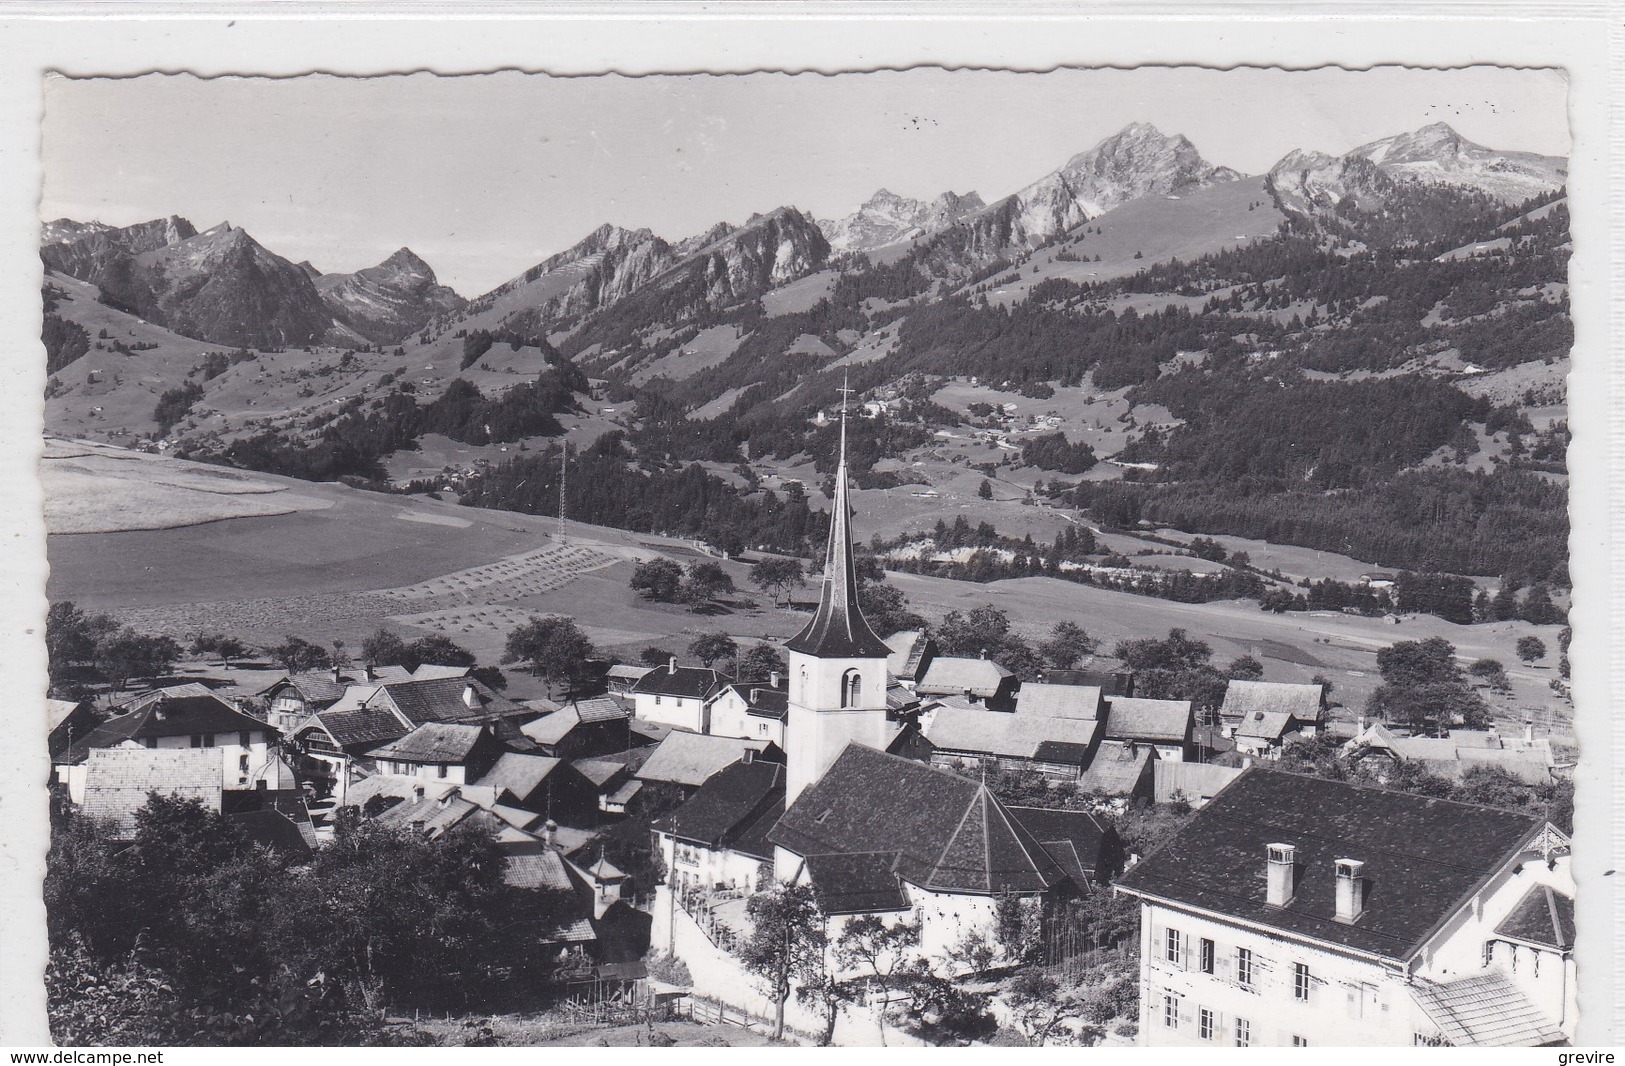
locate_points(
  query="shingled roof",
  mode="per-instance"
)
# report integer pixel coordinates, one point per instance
(951, 675)
(358, 728)
(1423, 857)
(447, 743)
(319, 686)
(949, 834)
(726, 804)
(175, 712)
(1544, 917)
(1019, 736)
(1485, 1010)
(519, 775)
(861, 883)
(1059, 701)
(1243, 697)
(432, 699)
(1158, 721)
(689, 759)
(908, 651)
(118, 780)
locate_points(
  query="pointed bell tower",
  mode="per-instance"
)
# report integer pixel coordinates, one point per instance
(837, 663)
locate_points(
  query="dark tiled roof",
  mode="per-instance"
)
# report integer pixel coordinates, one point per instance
(762, 699)
(949, 833)
(856, 883)
(726, 803)
(1113, 684)
(691, 682)
(838, 629)
(1073, 838)
(172, 716)
(440, 699)
(1544, 916)
(752, 839)
(433, 742)
(1422, 857)
(273, 829)
(362, 726)
(318, 686)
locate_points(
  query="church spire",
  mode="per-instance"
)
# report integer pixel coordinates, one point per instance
(838, 630)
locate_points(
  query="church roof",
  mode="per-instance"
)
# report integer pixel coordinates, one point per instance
(947, 832)
(838, 629)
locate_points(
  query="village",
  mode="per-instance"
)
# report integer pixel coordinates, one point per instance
(863, 840)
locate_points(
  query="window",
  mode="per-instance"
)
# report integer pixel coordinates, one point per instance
(1244, 965)
(242, 764)
(152, 742)
(1204, 1024)
(761, 728)
(1300, 1041)
(1170, 1012)
(851, 688)
(1300, 982)
(1244, 1032)
(197, 740)
(657, 701)
(1205, 955)
(1489, 952)
(1170, 945)
(244, 739)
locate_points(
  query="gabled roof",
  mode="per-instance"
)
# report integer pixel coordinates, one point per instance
(172, 692)
(117, 781)
(599, 771)
(951, 675)
(438, 815)
(432, 699)
(271, 828)
(536, 866)
(434, 743)
(57, 711)
(950, 834)
(360, 727)
(689, 759)
(519, 775)
(1073, 838)
(1059, 701)
(726, 804)
(908, 649)
(1544, 916)
(1266, 725)
(1117, 768)
(1016, 736)
(838, 629)
(1485, 1010)
(687, 682)
(761, 698)
(430, 672)
(626, 672)
(1161, 721)
(600, 709)
(1244, 697)
(1423, 858)
(164, 714)
(319, 686)
(1110, 683)
(862, 883)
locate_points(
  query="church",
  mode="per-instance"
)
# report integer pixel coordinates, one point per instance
(874, 833)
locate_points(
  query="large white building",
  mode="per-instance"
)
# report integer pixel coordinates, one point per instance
(1299, 911)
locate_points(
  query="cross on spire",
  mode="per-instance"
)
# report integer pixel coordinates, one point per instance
(845, 391)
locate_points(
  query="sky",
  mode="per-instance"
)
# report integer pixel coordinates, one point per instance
(486, 175)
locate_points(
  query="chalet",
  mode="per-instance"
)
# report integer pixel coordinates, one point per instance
(688, 760)
(718, 838)
(1166, 725)
(973, 738)
(612, 781)
(1121, 768)
(583, 729)
(183, 716)
(982, 681)
(1301, 911)
(551, 787)
(1305, 704)
(622, 676)
(1047, 700)
(296, 697)
(755, 710)
(458, 752)
(66, 722)
(675, 695)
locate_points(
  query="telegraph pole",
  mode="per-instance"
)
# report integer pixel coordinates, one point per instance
(564, 464)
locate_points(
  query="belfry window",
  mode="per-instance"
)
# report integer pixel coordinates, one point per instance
(851, 687)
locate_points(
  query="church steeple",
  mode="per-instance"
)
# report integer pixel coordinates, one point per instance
(838, 630)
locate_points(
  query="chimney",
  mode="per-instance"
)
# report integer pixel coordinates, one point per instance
(417, 792)
(749, 756)
(367, 672)
(337, 677)
(471, 698)
(550, 832)
(1282, 875)
(419, 825)
(1360, 722)
(1529, 730)
(775, 678)
(1350, 889)
(984, 653)
(671, 665)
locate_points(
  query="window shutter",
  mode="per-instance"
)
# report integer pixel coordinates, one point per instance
(1353, 997)
(1224, 962)
(1185, 951)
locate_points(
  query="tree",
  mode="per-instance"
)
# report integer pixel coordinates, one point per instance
(985, 489)
(703, 583)
(553, 647)
(298, 656)
(778, 575)
(129, 654)
(708, 648)
(1067, 643)
(660, 580)
(1539, 609)
(1531, 649)
(1422, 686)
(1244, 668)
(438, 650)
(885, 608)
(230, 648)
(760, 661)
(71, 636)
(653, 656)
(786, 943)
(884, 950)
(383, 648)
(1035, 998)
(1491, 672)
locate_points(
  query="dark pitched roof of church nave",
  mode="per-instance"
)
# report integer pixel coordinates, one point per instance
(947, 833)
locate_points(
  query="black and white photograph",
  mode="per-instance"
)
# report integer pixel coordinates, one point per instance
(893, 558)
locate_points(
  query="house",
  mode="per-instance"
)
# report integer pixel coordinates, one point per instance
(687, 760)
(459, 752)
(612, 781)
(982, 681)
(550, 787)
(622, 676)
(1166, 725)
(182, 716)
(1294, 910)
(295, 697)
(718, 838)
(1306, 704)
(1121, 768)
(67, 721)
(976, 738)
(911, 654)
(675, 695)
(1265, 733)
(755, 710)
(1050, 700)
(1527, 758)
(583, 729)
